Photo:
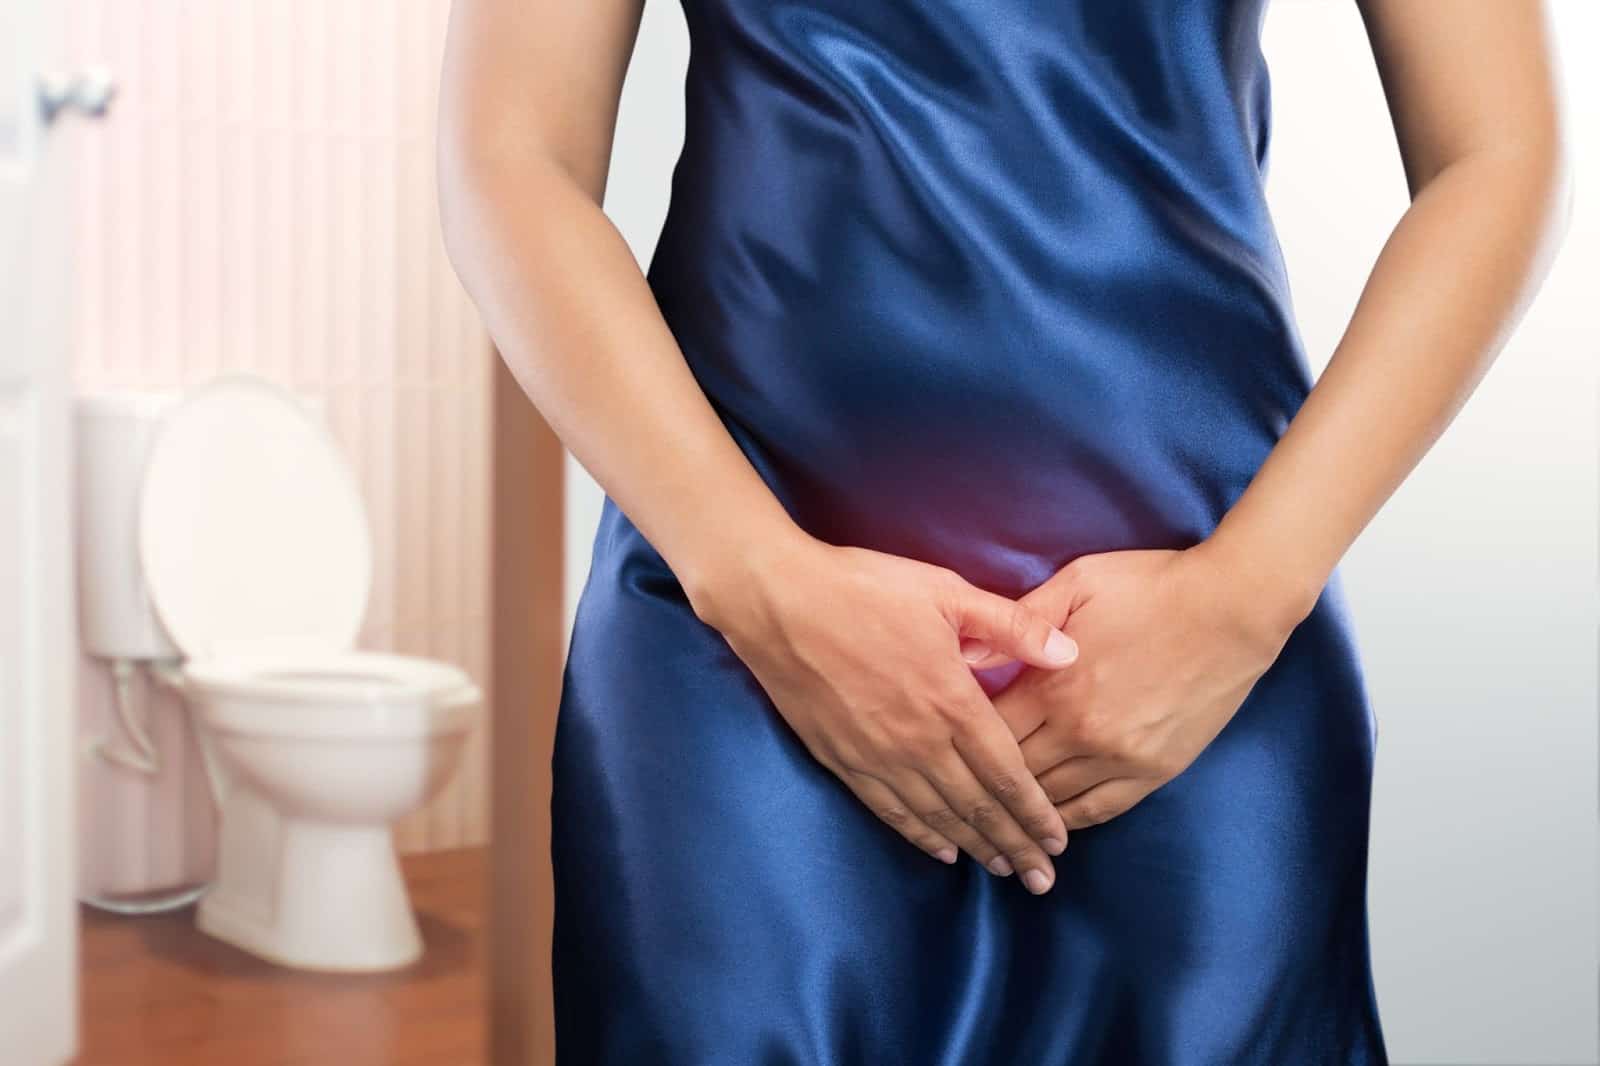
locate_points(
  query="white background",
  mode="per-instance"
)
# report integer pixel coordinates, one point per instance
(1473, 592)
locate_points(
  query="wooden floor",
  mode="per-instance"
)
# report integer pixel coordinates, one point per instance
(156, 990)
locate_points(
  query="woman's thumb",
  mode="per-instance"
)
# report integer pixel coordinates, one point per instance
(991, 625)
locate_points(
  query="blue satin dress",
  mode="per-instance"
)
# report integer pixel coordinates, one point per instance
(990, 284)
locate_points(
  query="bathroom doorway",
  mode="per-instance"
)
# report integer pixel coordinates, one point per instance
(38, 947)
(525, 682)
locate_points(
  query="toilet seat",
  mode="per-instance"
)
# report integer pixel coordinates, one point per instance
(350, 676)
(258, 561)
(335, 695)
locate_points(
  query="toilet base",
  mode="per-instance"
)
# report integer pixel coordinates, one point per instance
(333, 900)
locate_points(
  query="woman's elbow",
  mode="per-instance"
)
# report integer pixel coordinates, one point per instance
(455, 177)
(470, 163)
(1562, 181)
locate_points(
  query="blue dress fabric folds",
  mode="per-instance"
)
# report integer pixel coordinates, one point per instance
(990, 284)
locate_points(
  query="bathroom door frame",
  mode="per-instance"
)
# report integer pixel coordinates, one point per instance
(38, 909)
(527, 653)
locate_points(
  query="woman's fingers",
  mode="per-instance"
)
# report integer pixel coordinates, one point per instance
(982, 805)
(1025, 708)
(1077, 774)
(986, 744)
(898, 814)
(990, 624)
(1063, 593)
(1103, 802)
(1051, 602)
(935, 811)
(1052, 743)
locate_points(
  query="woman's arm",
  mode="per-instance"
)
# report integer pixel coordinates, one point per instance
(529, 102)
(1475, 102)
(859, 651)
(1174, 641)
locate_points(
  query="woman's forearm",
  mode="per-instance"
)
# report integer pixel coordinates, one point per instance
(528, 106)
(575, 321)
(1450, 283)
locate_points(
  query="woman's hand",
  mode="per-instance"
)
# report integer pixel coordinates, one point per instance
(861, 653)
(1172, 642)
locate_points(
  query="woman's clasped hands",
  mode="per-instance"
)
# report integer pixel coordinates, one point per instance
(869, 658)
(1172, 643)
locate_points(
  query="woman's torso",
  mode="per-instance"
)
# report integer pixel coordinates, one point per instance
(984, 282)
(990, 284)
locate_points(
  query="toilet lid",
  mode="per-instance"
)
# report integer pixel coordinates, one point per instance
(252, 533)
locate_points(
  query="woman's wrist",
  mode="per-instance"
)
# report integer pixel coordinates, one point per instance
(1269, 589)
(732, 565)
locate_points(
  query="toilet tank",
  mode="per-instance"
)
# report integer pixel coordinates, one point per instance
(113, 434)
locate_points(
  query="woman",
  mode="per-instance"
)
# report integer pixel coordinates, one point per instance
(968, 488)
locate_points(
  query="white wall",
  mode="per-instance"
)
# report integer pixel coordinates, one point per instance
(1473, 592)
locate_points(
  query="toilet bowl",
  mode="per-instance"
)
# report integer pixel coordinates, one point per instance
(256, 556)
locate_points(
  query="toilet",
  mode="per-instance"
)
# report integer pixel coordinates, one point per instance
(254, 551)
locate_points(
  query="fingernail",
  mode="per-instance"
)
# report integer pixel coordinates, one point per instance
(946, 855)
(974, 651)
(1054, 845)
(1000, 866)
(1038, 882)
(1060, 648)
